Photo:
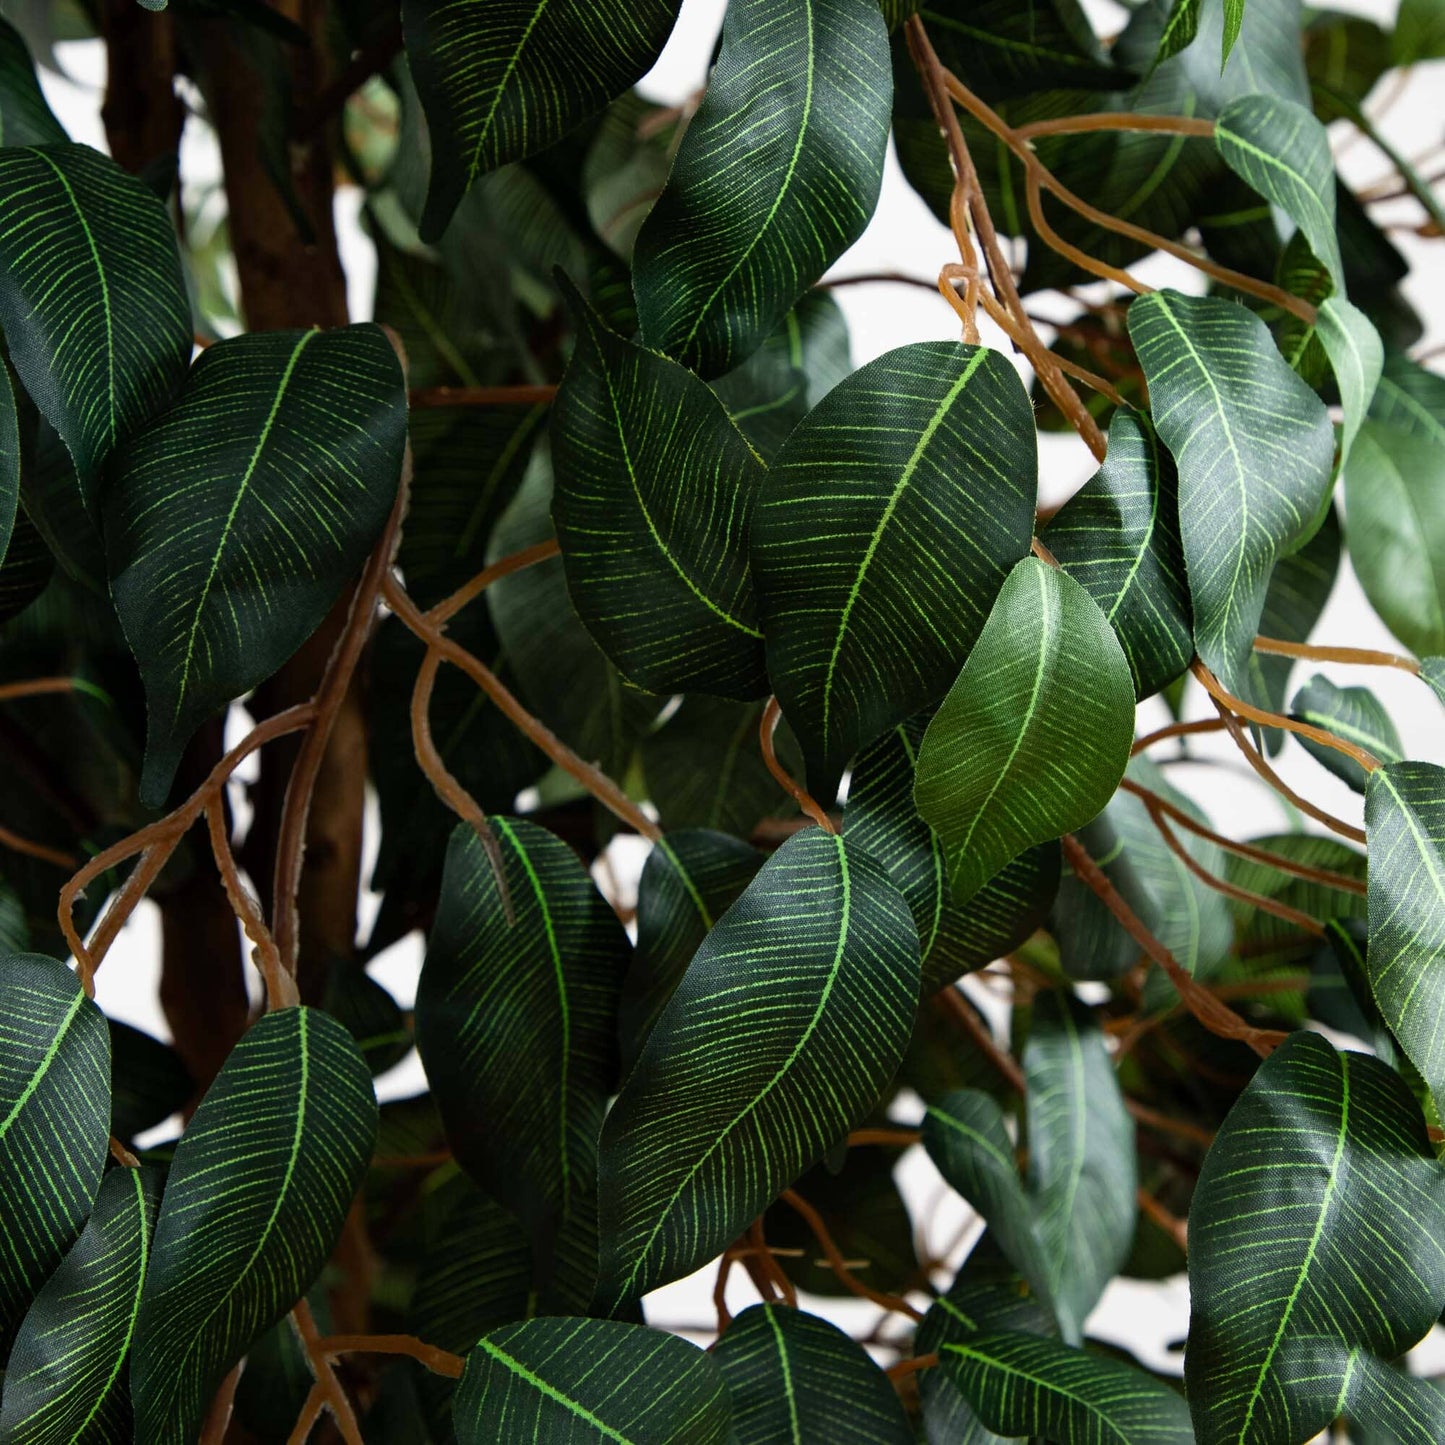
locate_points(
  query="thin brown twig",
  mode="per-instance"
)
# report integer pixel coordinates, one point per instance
(335, 684)
(839, 1265)
(434, 396)
(1171, 1224)
(280, 985)
(868, 278)
(790, 785)
(1176, 730)
(329, 101)
(719, 1291)
(1210, 1012)
(1114, 120)
(448, 608)
(1166, 1124)
(1240, 708)
(1360, 656)
(954, 1001)
(337, 1400)
(592, 779)
(437, 1360)
(311, 1410)
(1257, 761)
(1325, 877)
(218, 1415)
(18, 843)
(886, 1138)
(35, 687)
(911, 1366)
(770, 1265)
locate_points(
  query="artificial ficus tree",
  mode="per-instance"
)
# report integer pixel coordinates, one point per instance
(595, 531)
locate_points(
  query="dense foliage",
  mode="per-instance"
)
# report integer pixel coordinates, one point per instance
(800, 627)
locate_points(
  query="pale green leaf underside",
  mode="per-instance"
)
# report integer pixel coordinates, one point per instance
(1254, 449)
(255, 1200)
(66, 1380)
(715, 1120)
(590, 1382)
(653, 496)
(54, 1122)
(1315, 1232)
(1035, 734)
(92, 301)
(503, 79)
(794, 1377)
(883, 533)
(516, 1023)
(234, 520)
(776, 176)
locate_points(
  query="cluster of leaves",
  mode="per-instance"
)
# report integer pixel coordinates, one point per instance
(607, 316)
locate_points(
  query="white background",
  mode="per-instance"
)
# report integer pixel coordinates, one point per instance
(905, 237)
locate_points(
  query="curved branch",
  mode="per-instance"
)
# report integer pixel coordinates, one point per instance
(794, 789)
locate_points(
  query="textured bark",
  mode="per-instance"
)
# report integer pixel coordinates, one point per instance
(143, 115)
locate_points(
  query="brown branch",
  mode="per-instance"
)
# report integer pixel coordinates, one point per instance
(335, 1397)
(448, 608)
(18, 843)
(438, 1361)
(311, 1411)
(36, 687)
(953, 1000)
(592, 779)
(434, 396)
(911, 1366)
(839, 1265)
(1176, 730)
(280, 985)
(1165, 1124)
(770, 1265)
(794, 789)
(1210, 1012)
(335, 684)
(1237, 705)
(886, 1138)
(1360, 656)
(868, 278)
(719, 1291)
(218, 1415)
(1038, 175)
(1326, 877)
(1112, 120)
(1173, 1226)
(330, 100)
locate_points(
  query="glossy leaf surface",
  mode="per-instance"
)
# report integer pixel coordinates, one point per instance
(826, 947)
(924, 463)
(1034, 736)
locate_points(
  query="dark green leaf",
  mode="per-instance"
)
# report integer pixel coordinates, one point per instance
(792, 1376)
(1419, 31)
(586, 1381)
(96, 319)
(502, 79)
(1023, 1385)
(1118, 536)
(691, 878)
(25, 117)
(9, 466)
(1410, 397)
(1255, 451)
(924, 463)
(255, 1201)
(1035, 734)
(148, 1081)
(1347, 53)
(54, 1122)
(653, 518)
(882, 819)
(1397, 530)
(1352, 713)
(65, 1380)
(27, 569)
(1405, 824)
(236, 517)
(804, 86)
(516, 1022)
(1325, 1241)
(1179, 29)
(827, 950)
(371, 1015)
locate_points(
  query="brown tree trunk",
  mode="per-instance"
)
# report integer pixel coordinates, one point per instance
(143, 115)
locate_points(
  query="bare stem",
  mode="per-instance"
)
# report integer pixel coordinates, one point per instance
(1176, 730)
(438, 1361)
(1112, 120)
(790, 785)
(839, 1265)
(1361, 656)
(335, 1397)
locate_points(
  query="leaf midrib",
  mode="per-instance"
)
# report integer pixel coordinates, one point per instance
(43, 1068)
(510, 1362)
(474, 166)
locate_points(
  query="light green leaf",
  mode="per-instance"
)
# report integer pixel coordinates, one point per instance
(1432, 673)
(776, 177)
(503, 79)
(586, 1381)
(1082, 1174)
(1283, 152)
(1397, 530)
(1386, 1405)
(653, 517)
(234, 520)
(65, 1381)
(1179, 29)
(54, 1122)
(1233, 21)
(516, 1022)
(1315, 1231)
(965, 1135)
(1405, 828)
(1025, 1385)
(1352, 713)
(715, 1120)
(883, 820)
(1118, 536)
(792, 1376)
(1419, 31)
(255, 1200)
(96, 320)
(1356, 356)
(25, 117)
(1255, 451)
(924, 464)
(1035, 734)
(1410, 397)
(691, 878)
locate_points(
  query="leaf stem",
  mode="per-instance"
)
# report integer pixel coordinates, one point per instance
(18, 843)
(767, 728)
(1112, 120)
(437, 1360)
(953, 1001)
(335, 1397)
(1360, 656)
(36, 687)
(1176, 730)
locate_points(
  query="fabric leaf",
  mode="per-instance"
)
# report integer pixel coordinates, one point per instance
(1352, 713)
